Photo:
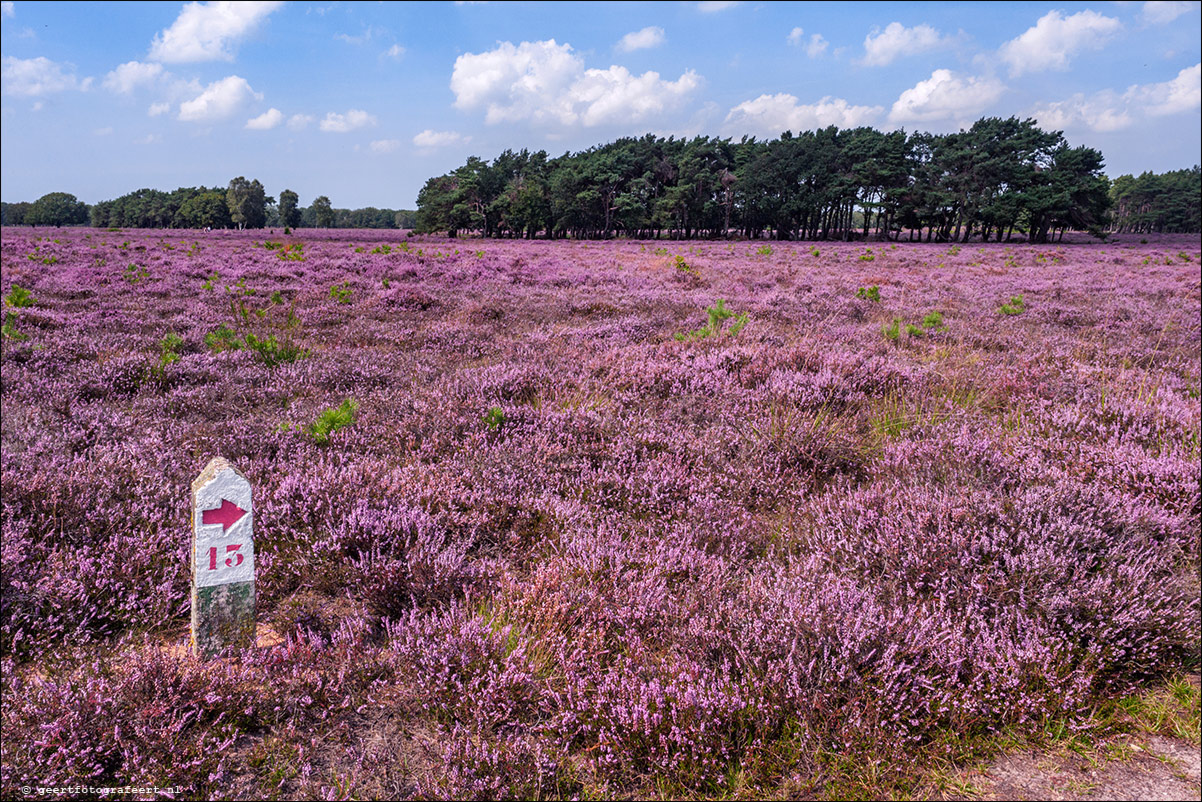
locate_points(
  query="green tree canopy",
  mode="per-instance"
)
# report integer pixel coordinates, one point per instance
(323, 212)
(57, 209)
(1165, 203)
(998, 178)
(247, 203)
(289, 211)
(204, 210)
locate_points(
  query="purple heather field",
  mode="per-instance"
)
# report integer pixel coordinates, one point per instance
(576, 528)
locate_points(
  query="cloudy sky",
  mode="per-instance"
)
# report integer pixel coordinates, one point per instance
(364, 101)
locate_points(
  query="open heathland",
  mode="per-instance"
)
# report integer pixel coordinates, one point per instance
(555, 519)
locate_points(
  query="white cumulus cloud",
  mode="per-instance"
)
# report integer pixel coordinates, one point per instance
(1055, 38)
(395, 52)
(342, 123)
(1102, 113)
(266, 121)
(219, 100)
(38, 76)
(714, 6)
(157, 109)
(515, 81)
(1110, 111)
(437, 139)
(385, 145)
(885, 47)
(615, 95)
(299, 122)
(131, 75)
(814, 48)
(1162, 12)
(6, 8)
(1183, 93)
(209, 31)
(544, 82)
(650, 36)
(946, 96)
(771, 115)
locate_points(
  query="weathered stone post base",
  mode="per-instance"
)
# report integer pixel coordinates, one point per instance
(222, 616)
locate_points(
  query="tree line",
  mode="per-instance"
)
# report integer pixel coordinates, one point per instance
(242, 204)
(1169, 203)
(997, 178)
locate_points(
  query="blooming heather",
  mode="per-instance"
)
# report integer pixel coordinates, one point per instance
(559, 551)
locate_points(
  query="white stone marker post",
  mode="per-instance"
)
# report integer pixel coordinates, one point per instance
(223, 560)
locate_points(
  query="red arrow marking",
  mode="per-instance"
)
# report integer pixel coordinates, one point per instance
(227, 515)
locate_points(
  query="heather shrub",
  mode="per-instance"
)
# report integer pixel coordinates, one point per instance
(678, 719)
(564, 557)
(803, 445)
(72, 582)
(472, 764)
(141, 719)
(418, 565)
(305, 612)
(1042, 544)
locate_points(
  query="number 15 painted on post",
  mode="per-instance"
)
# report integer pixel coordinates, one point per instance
(229, 561)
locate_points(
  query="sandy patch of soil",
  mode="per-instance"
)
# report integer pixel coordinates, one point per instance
(1149, 767)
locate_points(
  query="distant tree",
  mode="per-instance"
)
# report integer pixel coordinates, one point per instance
(434, 203)
(247, 203)
(209, 209)
(323, 212)
(99, 214)
(57, 209)
(13, 214)
(289, 211)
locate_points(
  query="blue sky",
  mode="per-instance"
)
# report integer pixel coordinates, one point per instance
(364, 101)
